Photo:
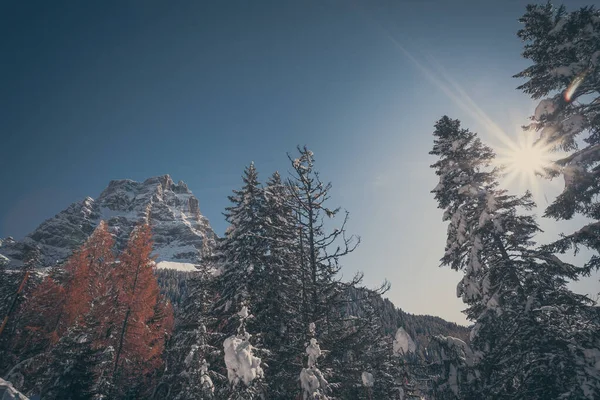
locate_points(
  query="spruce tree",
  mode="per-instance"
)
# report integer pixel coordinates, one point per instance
(241, 253)
(324, 296)
(531, 335)
(565, 50)
(280, 304)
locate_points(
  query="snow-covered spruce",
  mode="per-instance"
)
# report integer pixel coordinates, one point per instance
(564, 48)
(516, 293)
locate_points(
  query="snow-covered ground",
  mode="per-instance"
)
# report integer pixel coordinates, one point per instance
(179, 266)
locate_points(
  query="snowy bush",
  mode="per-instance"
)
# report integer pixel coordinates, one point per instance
(312, 380)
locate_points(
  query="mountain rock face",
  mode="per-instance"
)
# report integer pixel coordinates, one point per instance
(181, 233)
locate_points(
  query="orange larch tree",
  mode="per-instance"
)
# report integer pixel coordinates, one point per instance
(42, 313)
(114, 303)
(146, 319)
(57, 304)
(77, 295)
(89, 285)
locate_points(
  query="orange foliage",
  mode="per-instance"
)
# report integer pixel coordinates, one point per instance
(147, 319)
(90, 285)
(117, 301)
(40, 314)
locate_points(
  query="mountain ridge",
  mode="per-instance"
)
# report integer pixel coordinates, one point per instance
(181, 233)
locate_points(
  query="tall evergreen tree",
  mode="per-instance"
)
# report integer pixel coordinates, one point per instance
(531, 335)
(565, 51)
(324, 296)
(241, 253)
(280, 304)
(320, 250)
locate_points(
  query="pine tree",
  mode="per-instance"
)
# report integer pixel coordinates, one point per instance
(565, 51)
(509, 286)
(241, 253)
(281, 301)
(318, 265)
(324, 296)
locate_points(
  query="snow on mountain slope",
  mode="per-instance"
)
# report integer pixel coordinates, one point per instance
(180, 231)
(178, 266)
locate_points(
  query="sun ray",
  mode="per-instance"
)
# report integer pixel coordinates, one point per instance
(522, 159)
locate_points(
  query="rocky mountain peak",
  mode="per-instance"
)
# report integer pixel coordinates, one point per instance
(180, 231)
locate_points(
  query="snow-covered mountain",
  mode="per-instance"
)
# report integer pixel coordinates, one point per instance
(180, 231)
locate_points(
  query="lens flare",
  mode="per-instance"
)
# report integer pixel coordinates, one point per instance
(578, 80)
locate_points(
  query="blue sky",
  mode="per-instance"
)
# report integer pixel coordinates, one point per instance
(94, 91)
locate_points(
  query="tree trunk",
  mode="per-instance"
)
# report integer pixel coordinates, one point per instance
(313, 257)
(124, 328)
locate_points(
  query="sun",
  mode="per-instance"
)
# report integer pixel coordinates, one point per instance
(523, 160)
(527, 160)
